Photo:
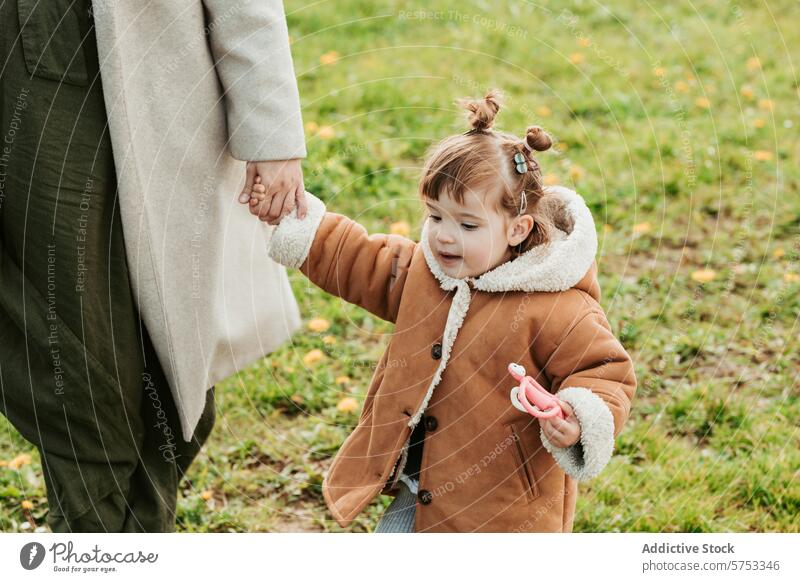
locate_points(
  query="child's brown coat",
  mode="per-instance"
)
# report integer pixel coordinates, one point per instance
(486, 466)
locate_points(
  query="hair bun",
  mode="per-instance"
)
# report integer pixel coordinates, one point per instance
(538, 139)
(482, 111)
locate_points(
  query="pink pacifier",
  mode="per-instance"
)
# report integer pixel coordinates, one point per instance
(545, 405)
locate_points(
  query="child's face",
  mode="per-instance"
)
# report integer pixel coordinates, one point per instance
(472, 238)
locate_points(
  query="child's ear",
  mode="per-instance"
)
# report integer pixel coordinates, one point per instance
(519, 229)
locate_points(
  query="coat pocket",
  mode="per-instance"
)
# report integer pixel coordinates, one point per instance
(524, 461)
(53, 36)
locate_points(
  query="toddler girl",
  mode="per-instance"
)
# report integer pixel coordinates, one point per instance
(504, 273)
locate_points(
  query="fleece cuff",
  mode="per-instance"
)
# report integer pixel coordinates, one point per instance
(586, 458)
(292, 238)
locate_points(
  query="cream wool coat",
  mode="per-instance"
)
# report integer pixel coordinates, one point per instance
(191, 88)
(486, 466)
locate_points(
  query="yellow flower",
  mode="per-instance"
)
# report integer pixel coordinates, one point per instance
(791, 277)
(312, 127)
(27, 505)
(681, 87)
(313, 357)
(329, 58)
(576, 58)
(659, 71)
(347, 404)
(288, 369)
(747, 91)
(207, 494)
(765, 104)
(342, 380)
(584, 41)
(550, 179)
(402, 228)
(326, 132)
(778, 253)
(702, 102)
(562, 146)
(329, 340)
(753, 63)
(319, 324)
(704, 275)
(543, 111)
(608, 228)
(19, 461)
(763, 155)
(641, 228)
(758, 123)
(576, 173)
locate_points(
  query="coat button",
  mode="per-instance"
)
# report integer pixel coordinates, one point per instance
(436, 351)
(431, 423)
(425, 496)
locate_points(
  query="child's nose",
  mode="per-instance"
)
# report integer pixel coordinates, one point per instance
(444, 236)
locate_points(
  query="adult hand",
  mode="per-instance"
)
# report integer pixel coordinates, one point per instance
(281, 187)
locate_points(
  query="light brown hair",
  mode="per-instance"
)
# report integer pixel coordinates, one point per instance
(482, 160)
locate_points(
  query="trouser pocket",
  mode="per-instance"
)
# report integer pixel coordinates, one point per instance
(53, 34)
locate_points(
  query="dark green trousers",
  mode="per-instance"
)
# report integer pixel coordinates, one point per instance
(78, 375)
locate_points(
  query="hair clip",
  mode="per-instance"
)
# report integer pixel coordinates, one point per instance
(519, 160)
(523, 202)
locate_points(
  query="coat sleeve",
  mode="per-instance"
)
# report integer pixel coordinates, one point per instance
(591, 371)
(250, 44)
(338, 255)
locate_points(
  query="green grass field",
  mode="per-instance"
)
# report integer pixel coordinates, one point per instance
(677, 122)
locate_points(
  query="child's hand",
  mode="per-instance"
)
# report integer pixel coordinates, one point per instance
(562, 432)
(259, 194)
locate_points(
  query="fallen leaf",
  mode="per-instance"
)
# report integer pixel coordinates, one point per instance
(576, 58)
(329, 58)
(402, 228)
(753, 63)
(347, 404)
(641, 227)
(319, 324)
(576, 173)
(704, 275)
(326, 132)
(19, 461)
(313, 357)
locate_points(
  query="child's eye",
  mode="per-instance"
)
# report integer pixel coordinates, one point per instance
(469, 226)
(435, 218)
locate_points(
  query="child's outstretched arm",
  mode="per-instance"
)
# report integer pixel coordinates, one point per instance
(338, 255)
(592, 372)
